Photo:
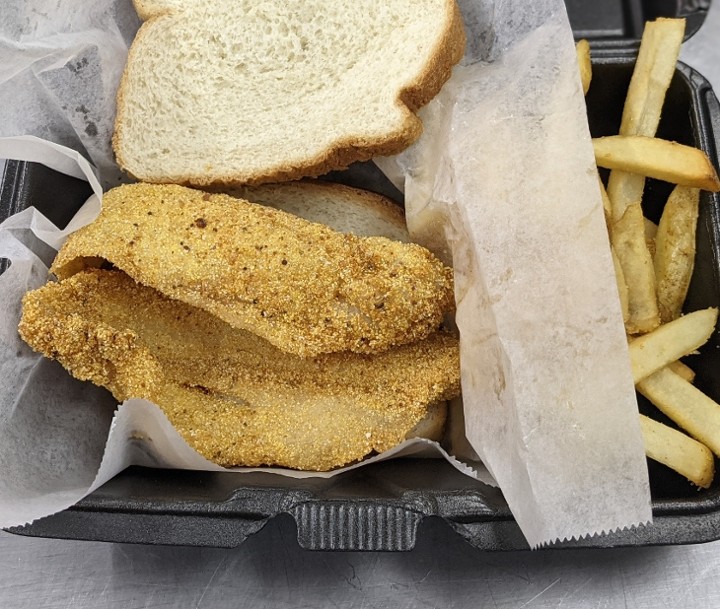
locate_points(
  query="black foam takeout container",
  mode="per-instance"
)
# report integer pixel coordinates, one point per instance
(379, 507)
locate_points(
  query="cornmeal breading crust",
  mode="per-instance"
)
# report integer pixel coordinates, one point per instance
(233, 396)
(302, 286)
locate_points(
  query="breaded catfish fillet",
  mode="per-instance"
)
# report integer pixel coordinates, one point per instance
(233, 396)
(302, 286)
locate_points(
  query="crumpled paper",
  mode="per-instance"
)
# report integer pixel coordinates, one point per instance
(502, 182)
(61, 64)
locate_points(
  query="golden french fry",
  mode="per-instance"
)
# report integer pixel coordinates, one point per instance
(686, 405)
(607, 206)
(656, 158)
(654, 69)
(638, 272)
(650, 229)
(679, 452)
(624, 189)
(670, 342)
(582, 48)
(662, 377)
(675, 250)
(650, 232)
(683, 370)
(621, 284)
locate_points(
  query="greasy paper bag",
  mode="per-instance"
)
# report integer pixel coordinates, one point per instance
(503, 184)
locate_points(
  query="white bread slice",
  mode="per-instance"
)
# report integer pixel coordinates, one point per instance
(219, 92)
(343, 208)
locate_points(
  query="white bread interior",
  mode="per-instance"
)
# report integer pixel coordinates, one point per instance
(343, 208)
(255, 91)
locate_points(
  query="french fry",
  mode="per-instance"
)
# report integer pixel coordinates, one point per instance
(650, 229)
(650, 232)
(654, 69)
(684, 404)
(683, 370)
(670, 342)
(607, 206)
(638, 271)
(640, 249)
(679, 452)
(582, 48)
(675, 250)
(656, 158)
(622, 286)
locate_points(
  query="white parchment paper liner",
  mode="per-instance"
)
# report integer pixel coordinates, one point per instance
(503, 184)
(60, 63)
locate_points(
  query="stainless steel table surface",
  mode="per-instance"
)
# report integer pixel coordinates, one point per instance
(270, 570)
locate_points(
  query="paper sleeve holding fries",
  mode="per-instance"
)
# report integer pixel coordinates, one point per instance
(530, 243)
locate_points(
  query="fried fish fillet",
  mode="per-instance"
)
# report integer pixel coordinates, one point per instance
(233, 396)
(302, 286)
